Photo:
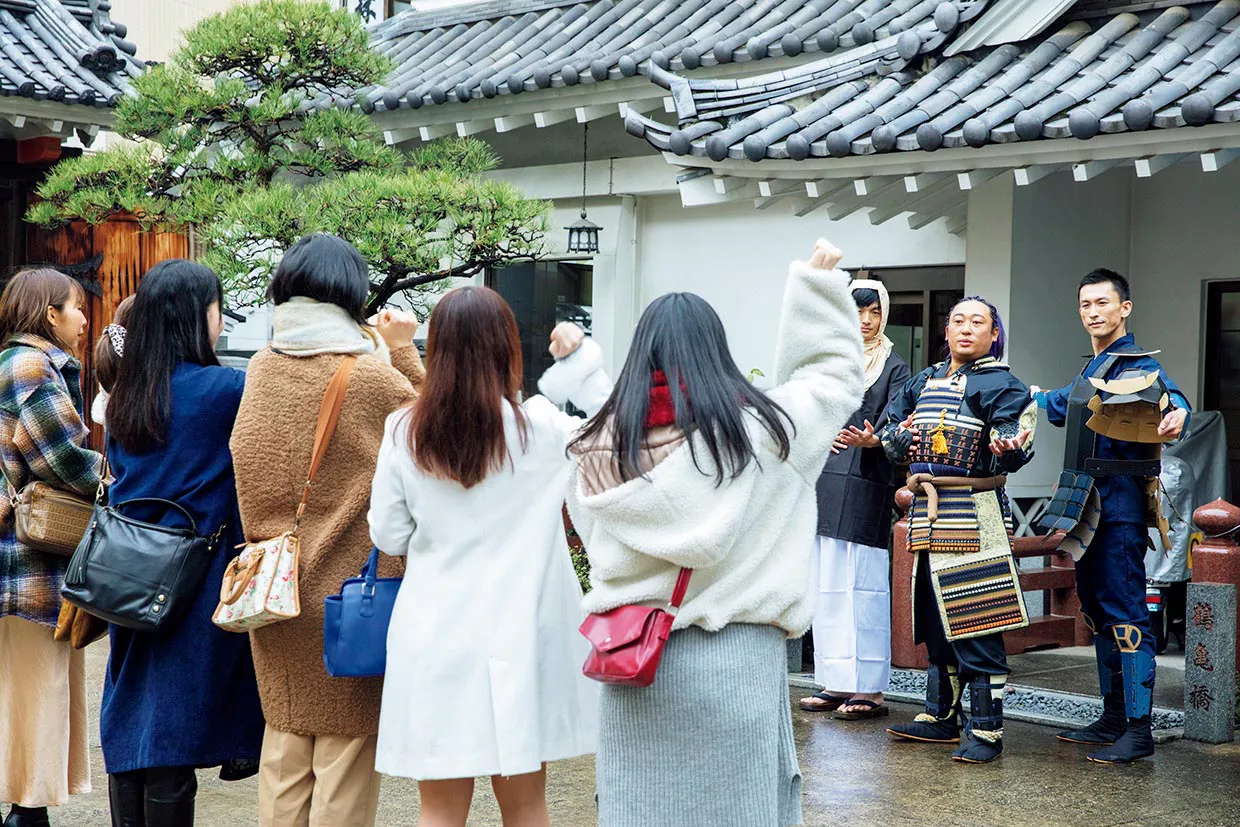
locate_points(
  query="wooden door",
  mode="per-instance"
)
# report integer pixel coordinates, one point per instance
(126, 252)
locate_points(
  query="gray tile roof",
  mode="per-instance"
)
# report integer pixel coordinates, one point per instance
(1161, 69)
(506, 48)
(64, 50)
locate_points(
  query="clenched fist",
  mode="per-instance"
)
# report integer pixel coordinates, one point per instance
(395, 326)
(565, 339)
(825, 256)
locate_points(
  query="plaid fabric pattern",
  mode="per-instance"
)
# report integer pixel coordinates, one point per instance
(42, 437)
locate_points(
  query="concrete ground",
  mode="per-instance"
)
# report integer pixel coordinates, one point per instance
(1075, 670)
(854, 775)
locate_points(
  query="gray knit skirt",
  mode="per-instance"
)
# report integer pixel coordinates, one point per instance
(709, 744)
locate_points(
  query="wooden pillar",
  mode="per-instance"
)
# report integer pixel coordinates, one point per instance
(127, 253)
(904, 653)
(1217, 558)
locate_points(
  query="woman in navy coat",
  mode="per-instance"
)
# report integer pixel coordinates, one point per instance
(184, 697)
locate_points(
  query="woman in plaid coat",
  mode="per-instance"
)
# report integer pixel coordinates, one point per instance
(44, 754)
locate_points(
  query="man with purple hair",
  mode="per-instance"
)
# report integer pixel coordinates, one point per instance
(962, 426)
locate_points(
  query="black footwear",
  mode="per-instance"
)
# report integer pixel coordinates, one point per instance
(170, 793)
(127, 798)
(823, 701)
(1107, 729)
(27, 817)
(940, 723)
(982, 741)
(929, 730)
(976, 747)
(1136, 743)
(1111, 685)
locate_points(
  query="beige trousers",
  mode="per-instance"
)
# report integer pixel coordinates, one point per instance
(317, 781)
(44, 746)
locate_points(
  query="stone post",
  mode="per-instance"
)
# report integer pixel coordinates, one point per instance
(1216, 559)
(1210, 651)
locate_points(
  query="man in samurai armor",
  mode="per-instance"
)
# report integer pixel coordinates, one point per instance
(1117, 413)
(962, 426)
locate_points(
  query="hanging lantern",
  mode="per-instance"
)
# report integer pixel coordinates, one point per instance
(583, 233)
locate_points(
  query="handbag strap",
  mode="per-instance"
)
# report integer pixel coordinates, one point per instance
(329, 415)
(682, 586)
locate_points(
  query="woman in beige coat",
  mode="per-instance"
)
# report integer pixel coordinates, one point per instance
(319, 748)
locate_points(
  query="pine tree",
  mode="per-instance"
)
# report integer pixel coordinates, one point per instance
(243, 135)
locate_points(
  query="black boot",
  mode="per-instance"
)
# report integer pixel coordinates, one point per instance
(1137, 741)
(1111, 682)
(127, 798)
(27, 817)
(1106, 729)
(982, 741)
(170, 793)
(940, 723)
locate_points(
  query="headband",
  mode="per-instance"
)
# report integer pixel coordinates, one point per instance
(116, 335)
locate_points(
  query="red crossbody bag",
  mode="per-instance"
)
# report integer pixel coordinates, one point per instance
(627, 642)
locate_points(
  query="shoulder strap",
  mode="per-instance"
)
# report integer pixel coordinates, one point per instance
(329, 415)
(682, 586)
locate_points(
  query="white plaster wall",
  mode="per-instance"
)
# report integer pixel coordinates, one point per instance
(736, 257)
(1062, 229)
(1186, 231)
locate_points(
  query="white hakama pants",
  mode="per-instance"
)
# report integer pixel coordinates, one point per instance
(852, 618)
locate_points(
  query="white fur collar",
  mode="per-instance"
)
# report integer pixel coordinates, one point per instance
(305, 327)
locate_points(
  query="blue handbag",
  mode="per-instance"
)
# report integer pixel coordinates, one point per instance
(355, 623)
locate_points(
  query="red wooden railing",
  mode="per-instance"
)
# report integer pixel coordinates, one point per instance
(1062, 627)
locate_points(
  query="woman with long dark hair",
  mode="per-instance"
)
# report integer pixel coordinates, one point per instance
(484, 660)
(44, 743)
(318, 765)
(688, 465)
(184, 697)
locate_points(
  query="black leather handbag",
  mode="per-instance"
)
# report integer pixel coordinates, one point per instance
(136, 574)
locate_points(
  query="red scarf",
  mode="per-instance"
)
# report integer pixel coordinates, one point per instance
(662, 411)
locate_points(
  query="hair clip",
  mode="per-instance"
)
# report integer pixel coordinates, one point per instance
(116, 335)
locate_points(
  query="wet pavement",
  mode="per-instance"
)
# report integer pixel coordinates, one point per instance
(854, 775)
(1075, 670)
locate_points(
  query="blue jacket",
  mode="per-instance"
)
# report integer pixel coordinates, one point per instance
(1123, 500)
(185, 696)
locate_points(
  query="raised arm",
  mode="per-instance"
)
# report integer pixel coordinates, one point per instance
(818, 365)
(577, 375)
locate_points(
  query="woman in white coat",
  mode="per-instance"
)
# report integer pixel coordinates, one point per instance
(484, 658)
(689, 466)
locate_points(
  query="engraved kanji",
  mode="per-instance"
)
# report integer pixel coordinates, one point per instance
(1199, 697)
(1203, 616)
(1201, 657)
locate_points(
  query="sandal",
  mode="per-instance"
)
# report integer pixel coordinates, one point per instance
(828, 702)
(871, 710)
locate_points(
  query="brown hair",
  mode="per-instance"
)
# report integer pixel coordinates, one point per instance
(26, 298)
(473, 365)
(107, 360)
